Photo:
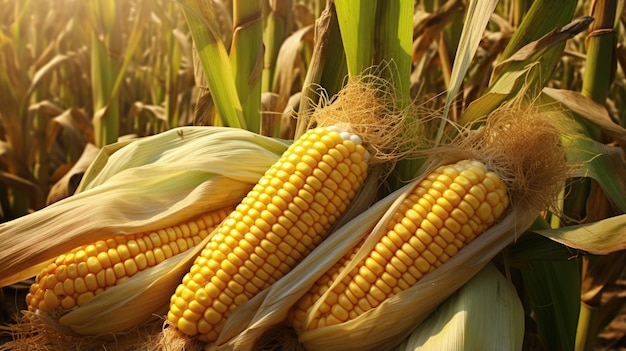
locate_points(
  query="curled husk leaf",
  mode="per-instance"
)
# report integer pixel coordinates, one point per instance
(485, 306)
(133, 187)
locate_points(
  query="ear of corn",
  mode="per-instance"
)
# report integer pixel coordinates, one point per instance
(281, 220)
(75, 278)
(443, 213)
(253, 321)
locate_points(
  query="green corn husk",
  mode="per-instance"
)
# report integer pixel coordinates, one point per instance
(137, 186)
(485, 314)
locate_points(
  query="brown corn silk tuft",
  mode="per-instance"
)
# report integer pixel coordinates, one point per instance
(172, 339)
(522, 145)
(368, 106)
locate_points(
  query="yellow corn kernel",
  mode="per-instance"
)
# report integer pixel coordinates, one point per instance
(289, 213)
(445, 211)
(78, 276)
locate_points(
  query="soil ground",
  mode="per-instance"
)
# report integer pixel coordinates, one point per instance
(613, 337)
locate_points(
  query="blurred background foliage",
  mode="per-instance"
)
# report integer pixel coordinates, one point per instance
(76, 75)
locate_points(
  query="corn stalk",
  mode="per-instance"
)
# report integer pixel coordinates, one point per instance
(246, 55)
(279, 21)
(377, 33)
(215, 62)
(106, 48)
(327, 68)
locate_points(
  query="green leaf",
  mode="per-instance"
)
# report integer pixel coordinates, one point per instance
(590, 111)
(553, 288)
(602, 237)
(605, 164)
(357, 22)
(530, 57)
(246, 55)
(215, 63)
(534, 247)
(478, 14)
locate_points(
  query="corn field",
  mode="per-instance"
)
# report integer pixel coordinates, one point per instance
(230, 174)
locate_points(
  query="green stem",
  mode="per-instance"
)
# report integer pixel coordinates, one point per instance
(104, 69)
(246, 55)
(587, 325)
(41, 169)
(357, 22)
(601, 52)
(276, 30)
(174, 51)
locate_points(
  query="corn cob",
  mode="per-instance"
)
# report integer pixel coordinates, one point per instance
(280, 221)
(441, 215)
(76, 277)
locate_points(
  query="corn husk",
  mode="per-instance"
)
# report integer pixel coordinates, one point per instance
(132, 187)
(522, 146)
(135, 302)
(485, 307)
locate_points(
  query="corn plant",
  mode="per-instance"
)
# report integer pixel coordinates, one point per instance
(79, 73)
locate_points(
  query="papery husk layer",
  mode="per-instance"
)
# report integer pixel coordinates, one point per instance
(145, 185)
(486, 306)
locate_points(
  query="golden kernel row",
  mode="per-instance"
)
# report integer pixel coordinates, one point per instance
(86, 271)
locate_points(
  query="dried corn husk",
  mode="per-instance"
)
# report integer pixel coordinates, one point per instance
(131, 187)
(485, 314)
